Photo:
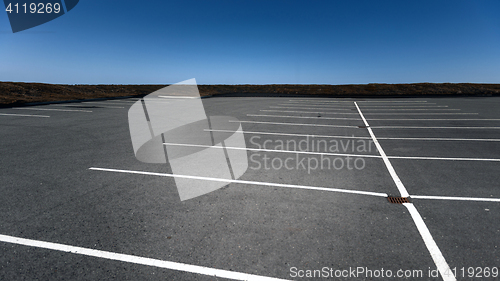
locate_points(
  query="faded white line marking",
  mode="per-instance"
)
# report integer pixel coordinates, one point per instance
(455, 198)
(52, 109)
(104, 103)
(350, 137)
(364, 106)
(277, 150)
(296, 124)
(323, 112)
(287, 134)
(336, 106)
(178, 97)
(436, 254)
(83, 105)
(125, 101)
(299, 107)
(412, 109)
(444, 158)
(390, 157)
(357, 101)
(312, 112)
(421, 119)
(305, 117)
(439, 139)
(245, 182)
(320, 101)
(134, 259)
(23, 115)
(410, 101)
(371, 119)
(427, 113)
(122, 102)
(430, 127)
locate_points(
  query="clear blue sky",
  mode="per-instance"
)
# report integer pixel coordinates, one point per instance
(258, 42)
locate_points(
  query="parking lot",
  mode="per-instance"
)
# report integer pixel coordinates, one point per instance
(77, 205)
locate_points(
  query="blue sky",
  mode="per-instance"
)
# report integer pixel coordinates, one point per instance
(258, 42)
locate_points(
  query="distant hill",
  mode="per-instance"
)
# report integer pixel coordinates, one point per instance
(14, 93)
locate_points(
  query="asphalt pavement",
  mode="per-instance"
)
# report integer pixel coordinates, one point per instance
(311, 206)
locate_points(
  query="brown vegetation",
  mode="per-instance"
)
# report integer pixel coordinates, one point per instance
(12, 93)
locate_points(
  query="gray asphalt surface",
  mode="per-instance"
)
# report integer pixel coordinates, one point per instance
(48, 193)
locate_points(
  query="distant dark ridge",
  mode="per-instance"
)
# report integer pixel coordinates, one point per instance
(14, 93)
(356, 90)
(20, 93)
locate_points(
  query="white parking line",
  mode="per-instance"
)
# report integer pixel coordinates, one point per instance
(287, 134)
(276, 150)
(307, 187)
(444, 158)
(455, 198)
(427, 113)
(412, 109)
(299, 107)
(306, 117)
(363, 101)
(436, 254)
(178, 97)
(358, 101)
(52, 109)
(433, 248)
(364, 106)
(349, 137)
(23, 115)
(134, 259)
(104, 103)
(296, 124)
(312, 112)
(336, 106)
(323, 112)
(320, 101)
(392, 172)
(84, 105)
(439, 139)
(422, 119)
(373, 119)
(337, 154)
(124, 101)
(424, 127)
